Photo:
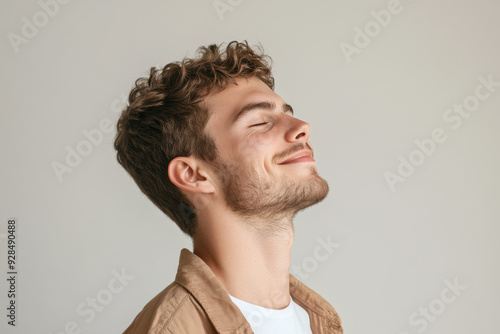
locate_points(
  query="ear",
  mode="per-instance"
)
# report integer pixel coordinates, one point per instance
(189, 174)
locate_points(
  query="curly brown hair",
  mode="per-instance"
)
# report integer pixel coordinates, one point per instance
(165, 118)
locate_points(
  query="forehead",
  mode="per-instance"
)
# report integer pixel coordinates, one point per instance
(224, 105)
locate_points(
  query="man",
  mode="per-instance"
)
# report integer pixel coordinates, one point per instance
(221, 154)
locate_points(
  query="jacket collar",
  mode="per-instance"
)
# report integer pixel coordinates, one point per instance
(313, 302)
(197, 278)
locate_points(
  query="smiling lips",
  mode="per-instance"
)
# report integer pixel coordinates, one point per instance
(302, 156)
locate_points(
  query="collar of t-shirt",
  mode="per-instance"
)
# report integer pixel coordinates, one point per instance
(293, 319)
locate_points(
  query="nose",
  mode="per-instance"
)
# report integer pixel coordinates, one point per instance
(298, 131)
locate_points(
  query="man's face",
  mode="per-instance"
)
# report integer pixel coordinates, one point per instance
(255, 133)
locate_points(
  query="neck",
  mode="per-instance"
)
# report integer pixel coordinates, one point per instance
(251, 259)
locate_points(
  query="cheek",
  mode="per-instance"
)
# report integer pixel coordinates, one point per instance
(256, 145)
(257, 152)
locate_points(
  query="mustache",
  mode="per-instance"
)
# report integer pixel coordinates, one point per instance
(295, 148)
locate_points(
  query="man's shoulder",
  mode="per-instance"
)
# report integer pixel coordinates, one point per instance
(173, 310)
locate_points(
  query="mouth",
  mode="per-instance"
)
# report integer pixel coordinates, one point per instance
(303, 156)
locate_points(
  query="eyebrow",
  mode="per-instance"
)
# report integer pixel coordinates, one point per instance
(266, 105)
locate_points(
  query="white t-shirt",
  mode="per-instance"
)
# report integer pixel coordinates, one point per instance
(293, 319)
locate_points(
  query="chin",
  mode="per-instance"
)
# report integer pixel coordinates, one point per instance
(311, 192)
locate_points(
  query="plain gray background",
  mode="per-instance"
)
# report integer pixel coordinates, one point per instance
(396, 248)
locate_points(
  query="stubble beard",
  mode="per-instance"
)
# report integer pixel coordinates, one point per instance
(260, 199)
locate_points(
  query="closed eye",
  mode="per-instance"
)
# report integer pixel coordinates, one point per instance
(259, 124)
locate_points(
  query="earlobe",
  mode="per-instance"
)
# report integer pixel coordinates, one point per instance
(184, 172)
